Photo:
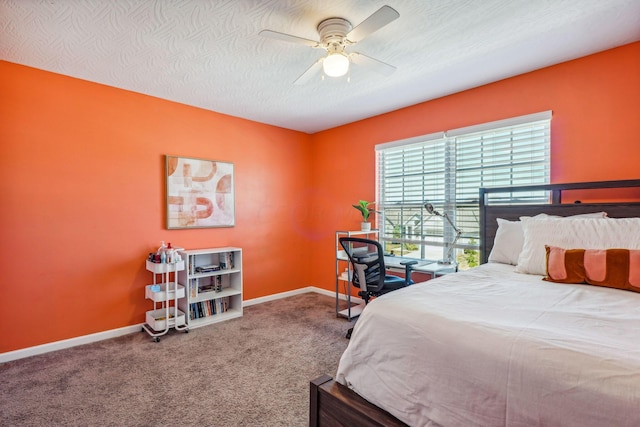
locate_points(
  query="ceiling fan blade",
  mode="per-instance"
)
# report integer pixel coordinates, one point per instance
(373, 23)
(311, 71)
(288, 38)
(372, 64)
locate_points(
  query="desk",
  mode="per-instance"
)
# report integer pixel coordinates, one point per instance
(391, 263)
(423, 266)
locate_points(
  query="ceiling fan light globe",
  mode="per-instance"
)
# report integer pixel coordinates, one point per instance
(335, 65)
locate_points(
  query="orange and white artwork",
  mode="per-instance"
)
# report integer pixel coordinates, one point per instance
(200, 193)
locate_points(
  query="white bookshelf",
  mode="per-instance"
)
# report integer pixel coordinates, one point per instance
(213, 285)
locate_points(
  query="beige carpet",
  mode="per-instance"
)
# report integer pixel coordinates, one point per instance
(251, 371)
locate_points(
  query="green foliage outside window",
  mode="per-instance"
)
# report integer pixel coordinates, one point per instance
(469, 258)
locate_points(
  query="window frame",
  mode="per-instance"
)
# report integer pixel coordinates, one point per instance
(437, 232)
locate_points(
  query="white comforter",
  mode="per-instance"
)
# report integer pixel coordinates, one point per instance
(492, 347)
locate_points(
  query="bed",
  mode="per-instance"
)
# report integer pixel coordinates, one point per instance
(498, 345)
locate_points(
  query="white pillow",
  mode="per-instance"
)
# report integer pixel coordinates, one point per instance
(508, 242)
(509, 239)
(574, 233)
(585, 215)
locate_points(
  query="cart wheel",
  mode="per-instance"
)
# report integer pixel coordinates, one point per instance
(156, 339)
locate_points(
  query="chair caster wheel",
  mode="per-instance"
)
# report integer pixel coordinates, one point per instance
(186, 331)
(156, 339)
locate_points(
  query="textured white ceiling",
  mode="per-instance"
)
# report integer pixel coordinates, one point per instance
(207, 53)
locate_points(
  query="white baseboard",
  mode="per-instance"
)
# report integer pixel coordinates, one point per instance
(274, 297)
(254, 301)
(87, 339)
(68, 343)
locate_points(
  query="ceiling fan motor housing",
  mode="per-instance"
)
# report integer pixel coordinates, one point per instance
(333, 32)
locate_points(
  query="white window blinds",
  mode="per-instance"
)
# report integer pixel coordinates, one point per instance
(446, 169)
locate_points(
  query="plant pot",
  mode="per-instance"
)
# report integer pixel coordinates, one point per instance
(365, 226)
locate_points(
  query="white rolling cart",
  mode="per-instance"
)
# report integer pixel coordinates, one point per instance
(164, 315)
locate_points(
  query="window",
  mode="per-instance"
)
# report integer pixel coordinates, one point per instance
(446, 169)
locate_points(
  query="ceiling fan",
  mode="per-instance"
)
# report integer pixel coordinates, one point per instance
(336, 35)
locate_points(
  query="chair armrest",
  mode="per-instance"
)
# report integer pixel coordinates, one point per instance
(407, 271)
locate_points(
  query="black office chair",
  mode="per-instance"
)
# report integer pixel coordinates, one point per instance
(369, 272)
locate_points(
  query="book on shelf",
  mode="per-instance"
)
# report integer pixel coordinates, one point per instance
(226, 260)
(215, 285)
(208, 268)
(191, 260)
(199, 310)
(207, 288)
(193, 287)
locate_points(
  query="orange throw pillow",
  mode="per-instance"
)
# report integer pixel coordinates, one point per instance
(611, 268)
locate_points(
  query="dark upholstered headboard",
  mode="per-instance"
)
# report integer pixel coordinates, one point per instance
(597, 191)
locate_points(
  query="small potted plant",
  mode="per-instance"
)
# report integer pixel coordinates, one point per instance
(366, 211)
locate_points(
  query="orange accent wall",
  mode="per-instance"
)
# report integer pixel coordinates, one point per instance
(82, 184)
(83, 191)
(594, 133)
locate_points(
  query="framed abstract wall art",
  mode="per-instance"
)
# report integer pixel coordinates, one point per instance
(200, 193)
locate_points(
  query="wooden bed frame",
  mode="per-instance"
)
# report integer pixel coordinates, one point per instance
(489, 212)
(333, 404)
